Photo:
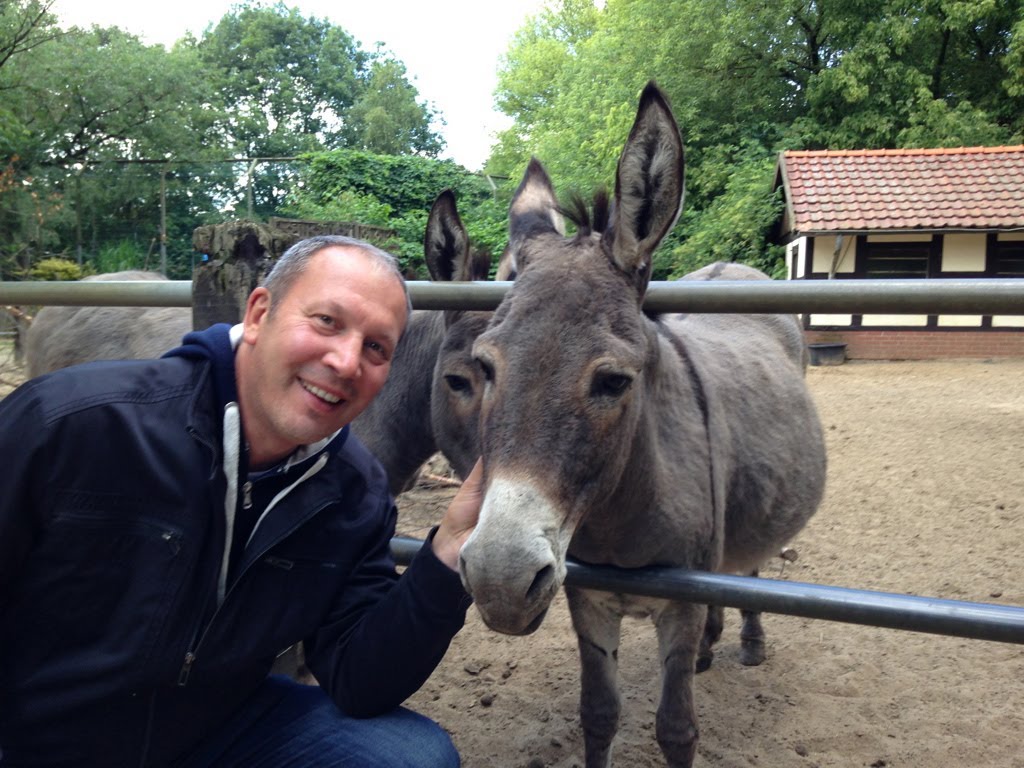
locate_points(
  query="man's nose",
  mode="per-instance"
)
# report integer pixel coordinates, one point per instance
(344, 355)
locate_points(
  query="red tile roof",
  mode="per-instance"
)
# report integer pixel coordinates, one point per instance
(975, 188)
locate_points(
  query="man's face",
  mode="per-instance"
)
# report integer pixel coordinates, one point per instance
(313, 365)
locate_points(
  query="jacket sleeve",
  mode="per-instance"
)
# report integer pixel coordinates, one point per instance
(22, 431)
(388, 635)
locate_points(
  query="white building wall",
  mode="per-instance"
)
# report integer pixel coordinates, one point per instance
(824, 252)
(963, 252)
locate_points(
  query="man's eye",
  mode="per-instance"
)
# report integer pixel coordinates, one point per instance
(377, 349)
(326, 319)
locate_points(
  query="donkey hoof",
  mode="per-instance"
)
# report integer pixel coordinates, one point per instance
(704, 662)
(752, 653)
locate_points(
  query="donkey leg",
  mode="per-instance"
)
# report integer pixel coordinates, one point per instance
(712, 633)
(680, 627)
(752, 651)
(597, 624)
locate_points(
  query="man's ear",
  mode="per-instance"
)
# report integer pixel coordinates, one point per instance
(257, 307)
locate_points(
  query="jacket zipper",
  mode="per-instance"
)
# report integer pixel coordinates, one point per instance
(186, 669)
(190, 655)
(148, 735)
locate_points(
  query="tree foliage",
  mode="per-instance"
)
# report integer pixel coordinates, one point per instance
(285, 82)
(80, 106)
(749, 78)
(397, 192)
(388, 119)
(83, 101)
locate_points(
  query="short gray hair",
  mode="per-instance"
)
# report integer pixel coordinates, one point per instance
(294, 261)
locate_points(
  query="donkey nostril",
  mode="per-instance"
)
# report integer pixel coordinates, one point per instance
(541, 582)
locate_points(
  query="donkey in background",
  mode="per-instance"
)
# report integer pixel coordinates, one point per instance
(622, 439)
(61, 336)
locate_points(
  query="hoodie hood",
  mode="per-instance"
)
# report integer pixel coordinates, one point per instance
(216, 344)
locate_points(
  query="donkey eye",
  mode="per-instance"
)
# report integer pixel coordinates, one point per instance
(608, 384)
(458, 383)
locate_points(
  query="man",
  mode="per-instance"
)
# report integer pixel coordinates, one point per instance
(168, 526)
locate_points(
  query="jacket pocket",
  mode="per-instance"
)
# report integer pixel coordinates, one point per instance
(97, 591)
(281, 599)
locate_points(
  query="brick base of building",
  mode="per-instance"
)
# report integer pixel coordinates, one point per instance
(923, 345)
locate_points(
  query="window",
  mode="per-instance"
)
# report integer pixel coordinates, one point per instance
(897, 260)
(1007, 259)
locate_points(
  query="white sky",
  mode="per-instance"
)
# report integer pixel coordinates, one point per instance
(450, 47)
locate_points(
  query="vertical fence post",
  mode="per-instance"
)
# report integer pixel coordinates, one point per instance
(235, 258)
(163, 222)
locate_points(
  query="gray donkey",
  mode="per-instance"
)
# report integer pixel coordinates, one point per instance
(63, 336)
(619, 438)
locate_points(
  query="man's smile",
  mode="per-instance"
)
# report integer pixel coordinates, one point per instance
(322, 394)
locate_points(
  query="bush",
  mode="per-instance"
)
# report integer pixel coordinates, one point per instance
(56, 269)
(118, 257)
(397, 192)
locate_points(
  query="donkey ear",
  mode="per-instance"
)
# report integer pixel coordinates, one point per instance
(445, 242)
(534, 211)
(648, 187)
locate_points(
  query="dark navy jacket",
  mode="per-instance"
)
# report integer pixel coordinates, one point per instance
(113, 648)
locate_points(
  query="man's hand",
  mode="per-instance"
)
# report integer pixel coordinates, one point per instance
(460, 519)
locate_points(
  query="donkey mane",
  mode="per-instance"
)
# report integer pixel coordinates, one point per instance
(588, 219)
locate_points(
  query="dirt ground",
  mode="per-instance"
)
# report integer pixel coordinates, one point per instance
(925, 496)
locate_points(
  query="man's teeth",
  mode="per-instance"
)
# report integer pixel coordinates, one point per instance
(321, 393)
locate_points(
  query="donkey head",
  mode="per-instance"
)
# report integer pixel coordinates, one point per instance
(565, 364)
(456, 388)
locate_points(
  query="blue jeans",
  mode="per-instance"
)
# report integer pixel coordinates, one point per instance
(290, 725)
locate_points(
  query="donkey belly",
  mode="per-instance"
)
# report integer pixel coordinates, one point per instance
(766, 508)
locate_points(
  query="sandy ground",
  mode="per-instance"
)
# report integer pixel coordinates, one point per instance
(925, 497)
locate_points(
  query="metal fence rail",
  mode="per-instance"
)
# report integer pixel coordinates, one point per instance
(981, 296)
(115, 293)
(977, 621)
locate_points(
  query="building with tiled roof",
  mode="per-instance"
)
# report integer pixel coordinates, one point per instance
(904, 190)
(906, 213)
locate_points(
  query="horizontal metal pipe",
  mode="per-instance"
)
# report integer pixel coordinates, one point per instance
(981, 296)
(112, 293)
(977, 621)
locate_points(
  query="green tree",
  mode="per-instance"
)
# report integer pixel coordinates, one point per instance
(85, 100)
(749, 78)
(397, 192)
(388, 119)
(287, 84)
(24, 26)
(285, 81)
